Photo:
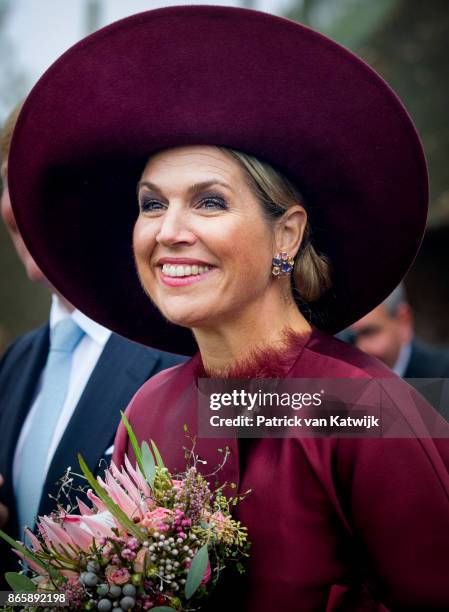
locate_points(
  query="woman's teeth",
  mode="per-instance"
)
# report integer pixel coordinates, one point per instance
(171, 270)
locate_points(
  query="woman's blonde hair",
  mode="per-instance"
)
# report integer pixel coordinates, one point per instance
(7, 131)
(312, 271)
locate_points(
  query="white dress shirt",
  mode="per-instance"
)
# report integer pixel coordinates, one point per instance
(403, 359)
(85, 358)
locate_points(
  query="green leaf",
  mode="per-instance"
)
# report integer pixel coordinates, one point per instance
(162, 609)
(149, 467)
(19, 582)
(113, 508)
(133, 439)
(26, 552)
(196, 571)
(157, 454)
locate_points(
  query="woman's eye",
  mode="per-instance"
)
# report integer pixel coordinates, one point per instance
(150, 205)
(212, 203)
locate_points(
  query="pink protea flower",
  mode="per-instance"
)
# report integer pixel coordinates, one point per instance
(34, 566)
(139, 479)
(156, 520)
(130, 506)
(72, 533)
(117, 575)
(54, 535)
(83, 508)
(127, 487)
(96, 501)
(85, 528)
(50, 538)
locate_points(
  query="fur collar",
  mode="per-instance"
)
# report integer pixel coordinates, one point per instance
(263, 361)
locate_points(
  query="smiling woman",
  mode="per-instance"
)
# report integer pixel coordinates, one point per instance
(197, 208)
(263, 195)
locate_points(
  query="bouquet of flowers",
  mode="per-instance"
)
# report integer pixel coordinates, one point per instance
(149, 540)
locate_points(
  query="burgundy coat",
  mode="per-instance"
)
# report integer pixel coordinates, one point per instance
(335, 523)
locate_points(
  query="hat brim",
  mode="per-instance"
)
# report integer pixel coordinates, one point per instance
(219, 76)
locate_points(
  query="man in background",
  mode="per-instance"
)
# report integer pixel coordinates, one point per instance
(62, 387)
(387, 333)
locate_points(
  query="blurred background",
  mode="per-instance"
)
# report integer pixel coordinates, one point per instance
(406, 41)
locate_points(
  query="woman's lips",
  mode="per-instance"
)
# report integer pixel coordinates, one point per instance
(179, 275)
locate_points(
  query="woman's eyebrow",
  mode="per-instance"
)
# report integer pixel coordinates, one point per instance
(195, 188)
(151, 186)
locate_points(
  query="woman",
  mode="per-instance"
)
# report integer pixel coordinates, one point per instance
(242, 155)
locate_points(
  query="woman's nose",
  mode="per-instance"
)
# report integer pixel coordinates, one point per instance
(174, 228)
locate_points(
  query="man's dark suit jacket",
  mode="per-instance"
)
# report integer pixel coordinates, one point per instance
(427, 361)
(430, 362)
(122, 368)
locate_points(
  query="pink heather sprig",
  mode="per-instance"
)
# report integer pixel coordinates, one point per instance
(195, 496)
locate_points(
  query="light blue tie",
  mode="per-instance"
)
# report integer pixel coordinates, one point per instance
(63, 340)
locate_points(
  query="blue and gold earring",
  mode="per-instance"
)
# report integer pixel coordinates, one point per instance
(282, 264)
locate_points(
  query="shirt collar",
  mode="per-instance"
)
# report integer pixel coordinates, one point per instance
(401, 364)
(94, 330)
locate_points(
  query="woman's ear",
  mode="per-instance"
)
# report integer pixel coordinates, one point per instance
(290, 229)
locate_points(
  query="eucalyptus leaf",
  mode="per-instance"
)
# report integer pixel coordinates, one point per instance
(162, 609)
(149, 466)
(113, 508)
(19, 582)
(196, 571)
(157, 454)
(27, 553)
(133, 440)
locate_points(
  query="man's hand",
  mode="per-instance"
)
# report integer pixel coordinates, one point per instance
(4, 512)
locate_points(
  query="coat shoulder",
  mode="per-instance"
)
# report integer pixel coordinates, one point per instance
(327, 356)
(21, 350)
(24, 343)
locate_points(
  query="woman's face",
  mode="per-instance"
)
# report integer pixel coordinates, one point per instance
(202, 247)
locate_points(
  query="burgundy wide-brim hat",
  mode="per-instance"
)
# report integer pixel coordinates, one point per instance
(219, 76)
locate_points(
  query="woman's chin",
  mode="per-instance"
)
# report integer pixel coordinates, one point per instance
(186, 318)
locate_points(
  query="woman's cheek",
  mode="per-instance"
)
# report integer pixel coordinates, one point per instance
(143, 239)
(143, 245)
